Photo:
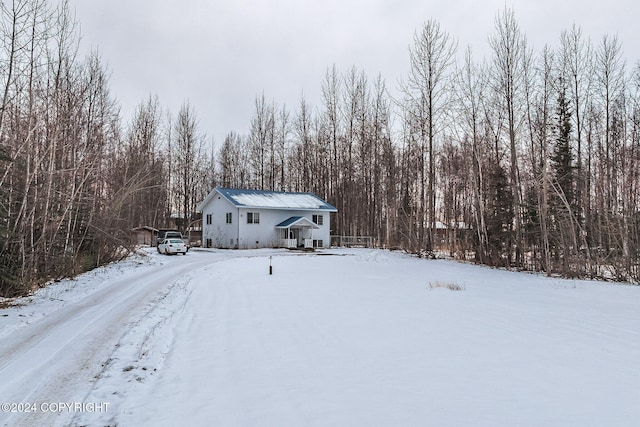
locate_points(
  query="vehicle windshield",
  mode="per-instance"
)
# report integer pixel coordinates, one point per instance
(175, 241)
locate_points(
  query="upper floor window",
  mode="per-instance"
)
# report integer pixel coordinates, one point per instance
(253, 217)
(318, 219)
(209, 219)
(229, 217)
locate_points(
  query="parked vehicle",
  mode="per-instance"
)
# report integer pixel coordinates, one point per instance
(168, 234)
(172, 246)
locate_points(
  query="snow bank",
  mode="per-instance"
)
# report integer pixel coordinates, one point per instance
(362, 339)
(55, 295)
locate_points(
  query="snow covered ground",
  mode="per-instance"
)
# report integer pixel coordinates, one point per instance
(335, 338)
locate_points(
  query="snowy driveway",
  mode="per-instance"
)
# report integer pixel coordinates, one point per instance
(54, 346)
(360, 338)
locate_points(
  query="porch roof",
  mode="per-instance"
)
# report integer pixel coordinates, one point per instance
(297, 221)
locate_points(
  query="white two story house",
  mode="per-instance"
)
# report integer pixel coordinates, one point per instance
(236, 218)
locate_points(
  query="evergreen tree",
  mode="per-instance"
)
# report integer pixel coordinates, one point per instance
(499, 216)
(563, 240)
(562, 157)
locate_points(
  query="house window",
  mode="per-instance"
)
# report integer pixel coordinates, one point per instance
(318, 219)
(253, 217)
(209, 243)
(318, 243)
(209, 219)
(229, 217)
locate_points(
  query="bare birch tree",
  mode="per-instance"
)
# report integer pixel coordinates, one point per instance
(427, 91)
(186, 161)
(509, 48)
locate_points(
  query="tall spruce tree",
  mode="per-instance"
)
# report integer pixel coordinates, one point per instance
(562, 158)
(500, 216)
(563, 198)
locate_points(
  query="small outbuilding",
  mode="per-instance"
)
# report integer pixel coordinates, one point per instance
(240, 218)
(145, 235)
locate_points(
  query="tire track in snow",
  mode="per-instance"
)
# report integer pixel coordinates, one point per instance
(139, 353)
(57, 358)
(143, 353)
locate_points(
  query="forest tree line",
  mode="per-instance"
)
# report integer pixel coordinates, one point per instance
(74, 180)
(525, 159)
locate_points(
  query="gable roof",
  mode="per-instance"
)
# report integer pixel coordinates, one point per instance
(297, 220)
(243, 198)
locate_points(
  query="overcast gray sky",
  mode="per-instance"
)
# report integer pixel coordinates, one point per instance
(220, 54)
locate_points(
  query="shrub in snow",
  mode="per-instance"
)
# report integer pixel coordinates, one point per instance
(448, 285)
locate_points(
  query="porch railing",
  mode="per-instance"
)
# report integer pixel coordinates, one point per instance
(293, 243)
(288, 243)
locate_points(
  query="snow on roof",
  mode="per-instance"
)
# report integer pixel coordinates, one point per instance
(275, 199)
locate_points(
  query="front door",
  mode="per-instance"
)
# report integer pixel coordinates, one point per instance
(295, 234)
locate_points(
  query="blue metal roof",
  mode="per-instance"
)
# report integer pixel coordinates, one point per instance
(294, 220)
(274, 199)
(288, 222)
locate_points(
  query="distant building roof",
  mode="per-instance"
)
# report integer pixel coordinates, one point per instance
(147, 228)
(442, 226)
(270, 199)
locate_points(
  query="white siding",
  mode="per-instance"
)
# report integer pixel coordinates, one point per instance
(247, 236)
(222, 235)
(324, 232)
(265, 235)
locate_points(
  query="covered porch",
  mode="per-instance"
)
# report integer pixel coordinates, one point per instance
(296, 232)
